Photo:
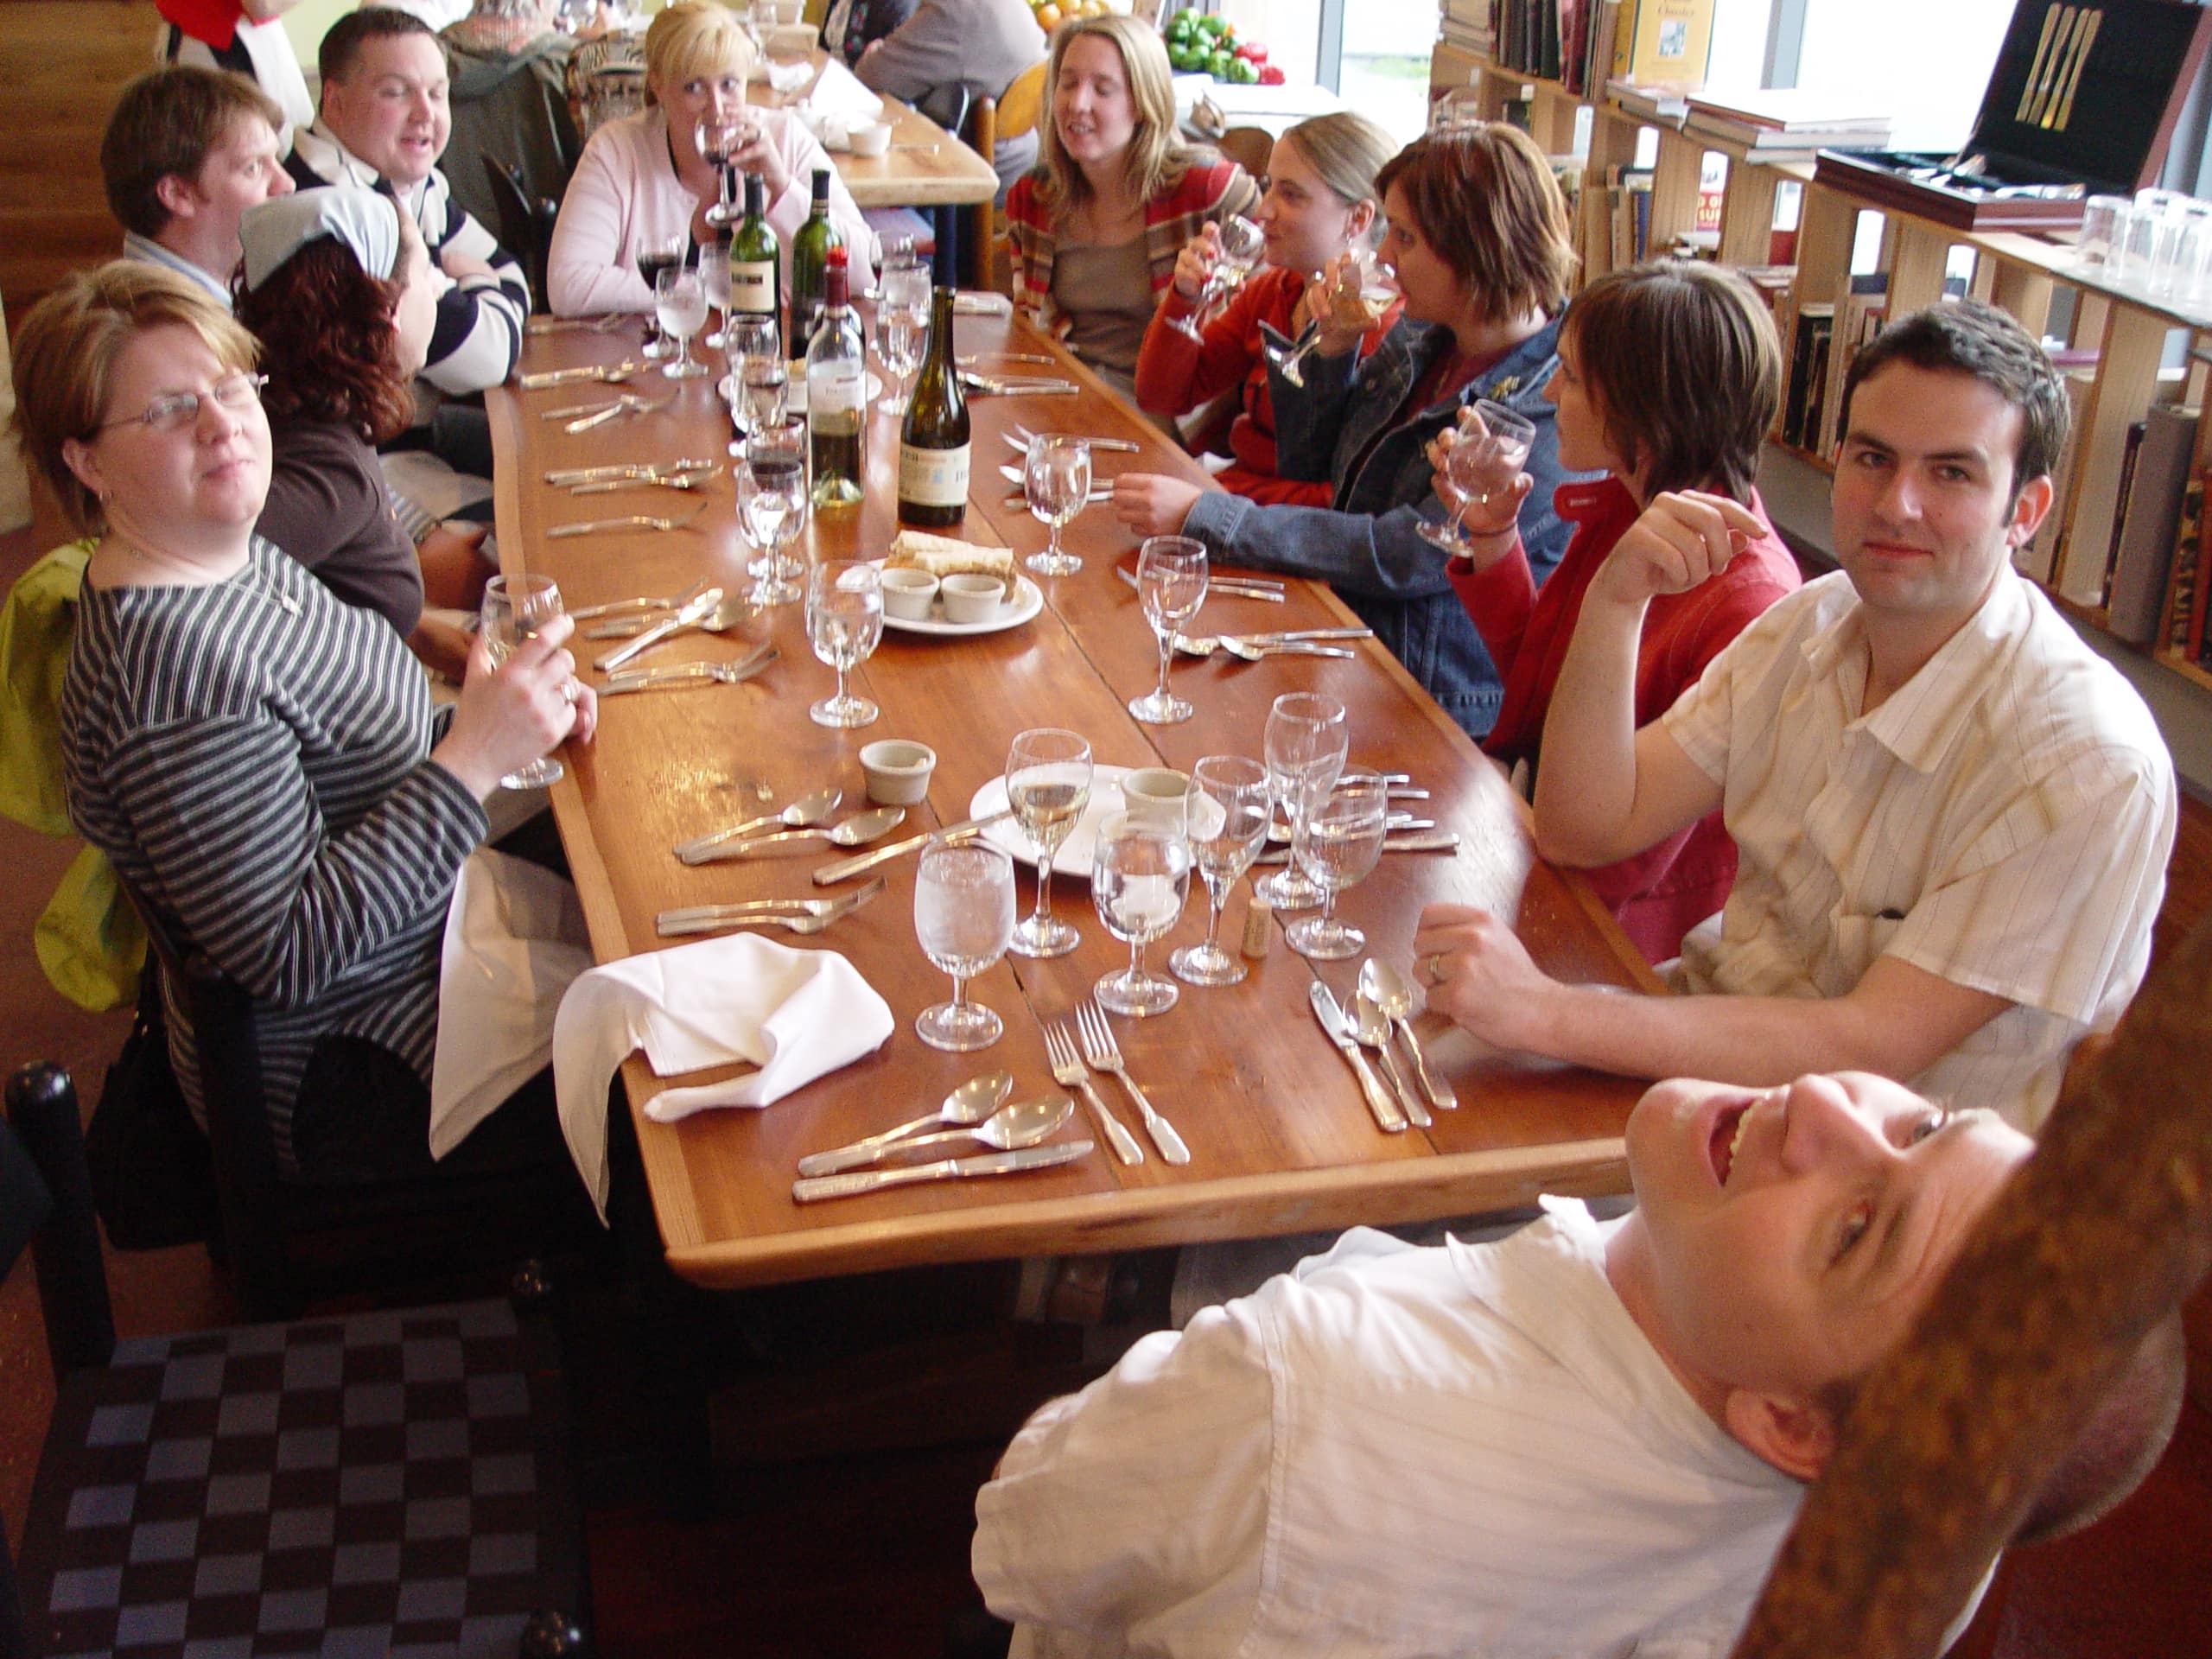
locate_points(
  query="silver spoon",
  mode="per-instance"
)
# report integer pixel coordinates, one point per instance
(1024, 1123)
(966, 1106)
(1204, 644)
(855, 831)
(1381, 983)
(1372, 1026)
(808, 808)
(1248, 652)
(734, 609)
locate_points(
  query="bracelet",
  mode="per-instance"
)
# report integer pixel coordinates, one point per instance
(1506, 529)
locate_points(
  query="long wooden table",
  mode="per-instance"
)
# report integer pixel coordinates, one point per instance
(1280, 1136)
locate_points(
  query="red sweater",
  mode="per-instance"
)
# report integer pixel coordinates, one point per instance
(1664, 891)
(1176, 374)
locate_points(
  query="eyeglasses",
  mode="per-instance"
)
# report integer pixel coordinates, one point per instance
(182, 409)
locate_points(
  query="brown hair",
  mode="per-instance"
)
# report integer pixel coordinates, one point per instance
(1157, 158)
(342, 43)
(163, 126)
(64, 358)
(1683, 365)
(328, 344)
(1482, 195)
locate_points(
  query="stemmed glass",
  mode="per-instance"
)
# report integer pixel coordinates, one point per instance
(844, 621)
(1048, 785)
(1139, 875)
(771, 500)
(714, 272)
(1376, 293)
(1496, 445)
(1228, 807)
(515, 608)
(653, 257)
(1056, 477)
(964, 915)
(1338, 843)
(902, 322)
(715, 141)
(680, 301)
(1171, 585)
(1242, 244)
(758, 377)
(1307, 741)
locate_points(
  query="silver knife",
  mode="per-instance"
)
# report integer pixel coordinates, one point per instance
(546, 378)
(836, 906)
(1388, 1117)
(700, 607)
(1413, 840)
(830, 874)
(678, 675)
(811, 1189)
(1242, 587)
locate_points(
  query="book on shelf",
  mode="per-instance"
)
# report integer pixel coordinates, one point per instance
(1786, 119)
(1711, 193)
(1860, 318)
(2182, 597)
(1809, 360)
(2144, 554)
(1663, 42)
(1632, 206)
(2198, 649)
(1654, 106)
(2039, 558)
(2093, 551)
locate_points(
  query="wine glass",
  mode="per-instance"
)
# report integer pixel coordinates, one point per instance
(1499, 439)
(1337, 844)
(714, 272)
(759, 379)
(1139, 875)
(680, 301)
(771, 476)
(1171, 585)
(1307, 741)
(1229, 809)
(844, 621)
(1056, 477)
(515, 608)
(902, 321)
(715, 141)
(655, 256)
(1376, 292)
(1240, 245)
(1048, 785)
(964, 915)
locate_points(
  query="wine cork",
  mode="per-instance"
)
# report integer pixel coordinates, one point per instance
(1259, 927)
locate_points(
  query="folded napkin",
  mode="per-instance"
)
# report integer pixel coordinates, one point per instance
(838, 97)
(796, 1014)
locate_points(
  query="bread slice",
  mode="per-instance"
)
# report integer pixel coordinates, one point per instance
(943, 555)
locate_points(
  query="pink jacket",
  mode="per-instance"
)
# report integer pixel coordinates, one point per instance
(625, 194)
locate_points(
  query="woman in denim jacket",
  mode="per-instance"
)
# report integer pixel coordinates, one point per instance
(1478, 245)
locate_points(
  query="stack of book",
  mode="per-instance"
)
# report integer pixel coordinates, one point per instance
(1780, 122)
(1467, 24)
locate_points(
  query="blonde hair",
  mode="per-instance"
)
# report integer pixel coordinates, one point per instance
(66, 354)
(1345, 151)
(693, 38)
(1156, 159)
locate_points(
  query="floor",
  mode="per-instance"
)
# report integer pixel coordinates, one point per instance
(866, 1554)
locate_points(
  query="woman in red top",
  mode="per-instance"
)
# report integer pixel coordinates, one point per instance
(1669, 375)
(1321, 202)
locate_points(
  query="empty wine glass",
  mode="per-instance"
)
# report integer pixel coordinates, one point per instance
(1139, 875)
(902, 321)
(964, 916)
(1496, 446)
(714, 272)
(1307, 741)
(844, 621)
(655, 254)
(680, 302)
(1048, 785)
(1171, 584)
(1228, 808)
(772, 501)
(1337, 844)
(1240, 246)
(715, 140)
(515, 608)
(1056, 477)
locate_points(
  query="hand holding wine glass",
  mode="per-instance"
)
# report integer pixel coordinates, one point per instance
(1484, 464)
(1172, 586)
(844, 621)
(1229, 809)
(1048, 774)
(517, 611)
(1056, 477)
(1238, 245)
(1140, 876)
(964, 916)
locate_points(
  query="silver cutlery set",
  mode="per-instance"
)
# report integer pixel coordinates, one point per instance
(1382, 1008)
(1262, 588)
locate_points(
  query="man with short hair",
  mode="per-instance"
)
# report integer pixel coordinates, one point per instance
(1951, 818)
(979, 45)
(187, 151)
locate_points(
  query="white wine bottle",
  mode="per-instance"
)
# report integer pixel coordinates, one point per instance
(933, 446)
(836, 395)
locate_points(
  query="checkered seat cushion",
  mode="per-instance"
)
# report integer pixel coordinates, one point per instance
(384, 1485)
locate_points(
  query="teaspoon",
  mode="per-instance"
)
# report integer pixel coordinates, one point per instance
(1024, 1123)
(1382, 982)
(808, 808)
(966, 1106)
(855, 831)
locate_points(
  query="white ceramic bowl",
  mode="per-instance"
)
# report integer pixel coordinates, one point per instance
(872, 140)
(898, 770)
(907, 594)
(968, 598)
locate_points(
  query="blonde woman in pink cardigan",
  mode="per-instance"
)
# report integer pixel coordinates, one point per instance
(642, 182)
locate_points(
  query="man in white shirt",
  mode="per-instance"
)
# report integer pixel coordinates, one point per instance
(1953, 817)
(187, 151)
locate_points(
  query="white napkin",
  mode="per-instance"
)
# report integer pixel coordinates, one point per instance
(838, 97)
(514, 940)
(796, 1014)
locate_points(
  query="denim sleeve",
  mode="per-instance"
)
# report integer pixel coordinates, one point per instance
(1379, 556)
(1309, 419)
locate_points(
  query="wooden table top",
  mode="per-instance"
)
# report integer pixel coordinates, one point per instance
(926, 166)
(1280, 1136)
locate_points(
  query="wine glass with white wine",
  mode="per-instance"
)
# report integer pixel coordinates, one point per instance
(515, 609)
(1494, 447)
(1048, 775)
(1241, 246)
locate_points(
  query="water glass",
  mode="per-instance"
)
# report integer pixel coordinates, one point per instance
(515, 608)
(1139, 875)
(1338, 841)
(680, 304)
(844, 621)
(964, 916)
(1048, 775)
(1228, 811)
(655, 256)
(2103, 240)
(772, 502)
(1307, 740)
(902, 321)
(1171, 585)
(1242, 244)
(1495, 449)
(1056, 477)
(714, 272)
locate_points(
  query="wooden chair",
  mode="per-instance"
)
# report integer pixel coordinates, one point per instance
(525, 226)
(1015, 112)
(1249, 148)
(387, 1475)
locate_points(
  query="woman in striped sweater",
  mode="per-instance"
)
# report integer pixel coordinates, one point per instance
(259, 761)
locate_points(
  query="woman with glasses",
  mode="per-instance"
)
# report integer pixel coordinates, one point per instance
(259, 761)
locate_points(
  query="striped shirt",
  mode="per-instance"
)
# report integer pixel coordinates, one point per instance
(2002, 820)
(253, 758)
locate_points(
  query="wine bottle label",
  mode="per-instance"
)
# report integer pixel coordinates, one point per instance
(933, 478)
(753, 286)
(834, 387)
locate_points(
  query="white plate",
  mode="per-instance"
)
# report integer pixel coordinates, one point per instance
(1074, 856)
(1028, 599)
(794, 389)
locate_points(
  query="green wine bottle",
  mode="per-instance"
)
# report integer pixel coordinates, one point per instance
(755, 269)
(809, 259)
(934, 443)
(836, 395)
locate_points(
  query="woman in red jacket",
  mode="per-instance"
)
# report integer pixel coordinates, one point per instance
(1669, 376)
(1320, 203)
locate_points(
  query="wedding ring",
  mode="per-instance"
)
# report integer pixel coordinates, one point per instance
(1432, 968)
(568, 692)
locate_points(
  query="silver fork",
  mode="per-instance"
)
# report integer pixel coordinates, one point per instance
(594, 526)
(793, 915)
(1068, 1072)
(1105, 1055)
(1019, 436)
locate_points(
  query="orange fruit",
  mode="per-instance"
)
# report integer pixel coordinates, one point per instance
(1048, 18)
